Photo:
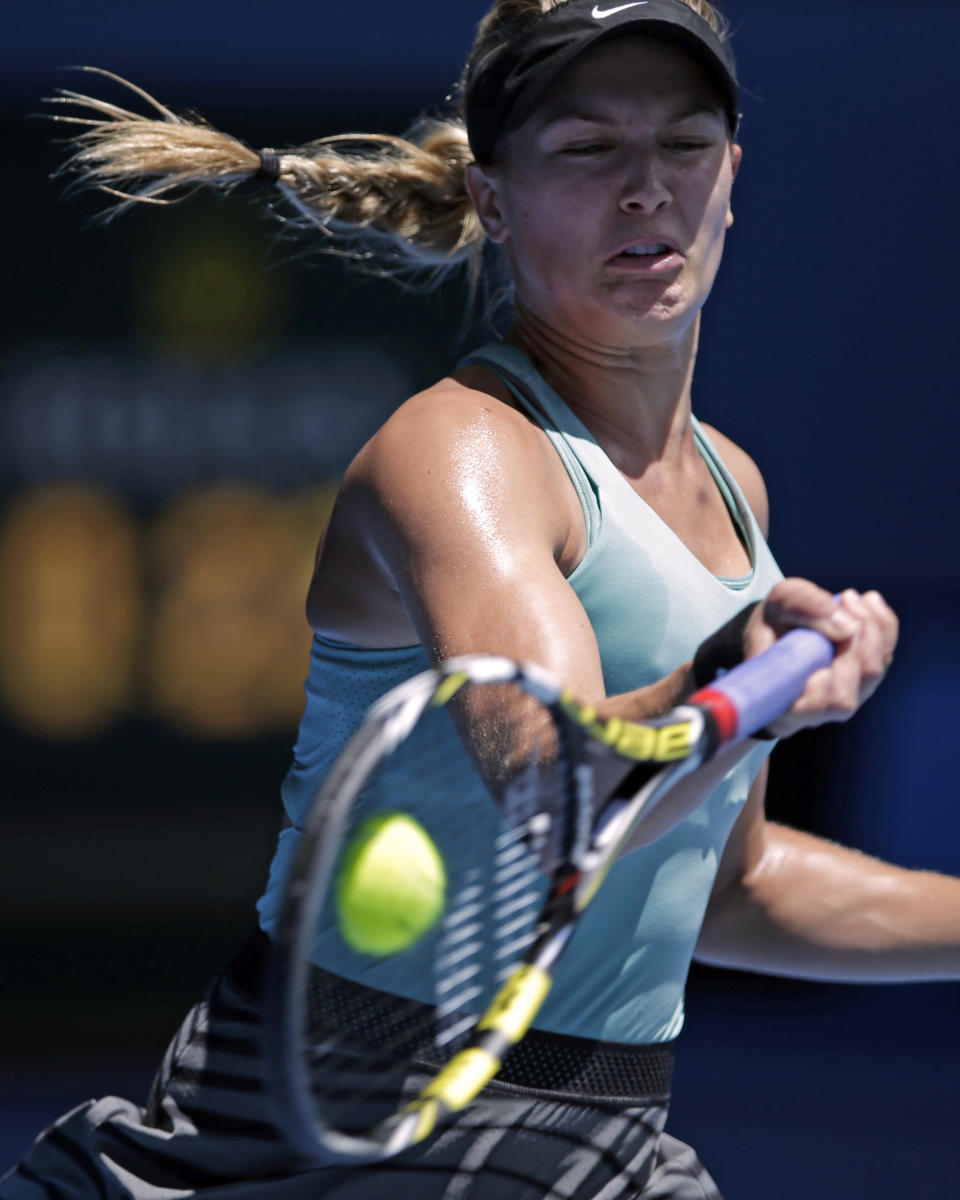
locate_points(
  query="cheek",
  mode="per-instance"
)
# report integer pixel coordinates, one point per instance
(540, 228)
(717, 217)
(553, 226)
(715, 233)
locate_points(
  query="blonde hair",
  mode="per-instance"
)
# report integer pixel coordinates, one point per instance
(399, 203)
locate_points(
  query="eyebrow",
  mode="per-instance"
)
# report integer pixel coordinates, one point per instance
(580, 114)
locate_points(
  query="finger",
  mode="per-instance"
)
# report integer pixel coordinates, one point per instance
(873, 642)
(846, 680)
(836, 692)
(832, 694)
(874, 654)
(888, 621)
(816, 705)
(797, 602)
(873, 665)
(854, 606)
(815, 695)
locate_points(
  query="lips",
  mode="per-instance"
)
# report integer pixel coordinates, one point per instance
(645, 251)
(650, 253)
(649, 256)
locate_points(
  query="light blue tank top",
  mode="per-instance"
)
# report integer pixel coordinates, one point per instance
(650, 602)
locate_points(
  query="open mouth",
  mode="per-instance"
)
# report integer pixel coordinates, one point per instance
(650, 251)
(648, 256)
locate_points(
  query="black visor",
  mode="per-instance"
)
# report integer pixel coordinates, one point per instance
(511, 72)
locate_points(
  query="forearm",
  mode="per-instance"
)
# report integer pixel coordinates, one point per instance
(649, 701)
(686, 795)
(812, 909)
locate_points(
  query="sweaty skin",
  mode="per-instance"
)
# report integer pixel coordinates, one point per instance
(457, 524)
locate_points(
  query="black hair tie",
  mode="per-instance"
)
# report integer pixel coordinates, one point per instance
(269, 169)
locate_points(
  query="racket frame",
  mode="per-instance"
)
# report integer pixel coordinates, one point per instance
(746, 699)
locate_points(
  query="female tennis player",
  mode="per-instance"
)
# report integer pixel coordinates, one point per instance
(553, 500)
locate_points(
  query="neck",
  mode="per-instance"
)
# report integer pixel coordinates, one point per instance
(636, 402)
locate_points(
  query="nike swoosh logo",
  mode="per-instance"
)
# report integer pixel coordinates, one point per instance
(600, 13)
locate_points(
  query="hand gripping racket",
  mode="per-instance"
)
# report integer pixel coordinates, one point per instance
(492, 766)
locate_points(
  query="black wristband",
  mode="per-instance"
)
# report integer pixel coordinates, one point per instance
(722, 650)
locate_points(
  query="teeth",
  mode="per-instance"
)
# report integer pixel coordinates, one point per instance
(644, 250)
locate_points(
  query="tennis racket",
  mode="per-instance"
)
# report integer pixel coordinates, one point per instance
(492, 767)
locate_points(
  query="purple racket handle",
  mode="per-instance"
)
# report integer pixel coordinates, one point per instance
(763, 688)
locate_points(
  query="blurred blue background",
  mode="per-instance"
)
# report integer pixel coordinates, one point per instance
(178, 394)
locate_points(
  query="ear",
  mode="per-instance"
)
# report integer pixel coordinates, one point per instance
(482, 187)
(736, 157)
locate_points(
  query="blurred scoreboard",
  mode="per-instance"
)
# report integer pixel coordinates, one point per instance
(158, 530)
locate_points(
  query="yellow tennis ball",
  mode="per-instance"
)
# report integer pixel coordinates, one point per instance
(391, 885)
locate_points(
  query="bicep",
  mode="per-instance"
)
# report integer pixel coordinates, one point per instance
(515, 604)
(745, 847)
(745, 844)
(470, 529)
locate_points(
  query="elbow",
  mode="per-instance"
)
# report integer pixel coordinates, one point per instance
(738, 917)
(725, 921)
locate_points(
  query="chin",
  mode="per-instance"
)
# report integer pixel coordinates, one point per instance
(650, 323)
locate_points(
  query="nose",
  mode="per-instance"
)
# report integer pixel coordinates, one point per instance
(645, 190)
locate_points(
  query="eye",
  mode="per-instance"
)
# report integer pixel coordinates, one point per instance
(585, 148)
(688, 145)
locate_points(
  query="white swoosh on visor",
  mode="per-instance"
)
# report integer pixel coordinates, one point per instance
(600, 13)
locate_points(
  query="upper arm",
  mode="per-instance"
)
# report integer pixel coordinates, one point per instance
(747, 474)
(745, 845)
(462, 505)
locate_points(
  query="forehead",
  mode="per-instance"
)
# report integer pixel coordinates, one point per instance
(640, 72)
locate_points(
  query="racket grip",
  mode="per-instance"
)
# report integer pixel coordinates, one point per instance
(763, 688)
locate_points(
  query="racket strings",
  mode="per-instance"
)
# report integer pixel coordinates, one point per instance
(374, 1023)
(517, 895)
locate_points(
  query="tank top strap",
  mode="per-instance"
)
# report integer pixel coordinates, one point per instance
(734, 499)
(541, 403)
(589, 467)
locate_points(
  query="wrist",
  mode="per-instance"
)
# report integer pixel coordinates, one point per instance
(722, 650)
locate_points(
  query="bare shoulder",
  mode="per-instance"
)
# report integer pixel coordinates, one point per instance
(448, 425)
(453, 474)
(745, 471)
(458, 461)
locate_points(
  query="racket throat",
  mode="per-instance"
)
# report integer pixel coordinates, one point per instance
(504, 1024)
